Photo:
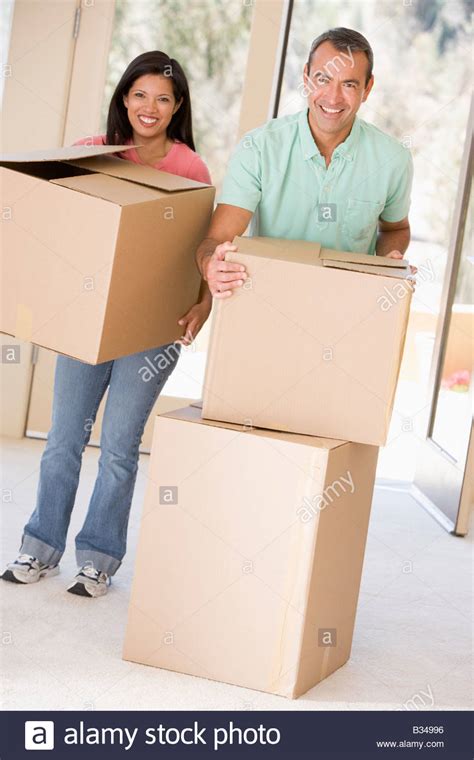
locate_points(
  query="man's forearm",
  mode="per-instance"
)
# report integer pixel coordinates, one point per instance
(392, 240)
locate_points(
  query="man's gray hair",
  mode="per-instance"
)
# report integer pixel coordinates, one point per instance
(345, 39)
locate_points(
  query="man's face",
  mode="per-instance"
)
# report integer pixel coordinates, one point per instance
(337, 87)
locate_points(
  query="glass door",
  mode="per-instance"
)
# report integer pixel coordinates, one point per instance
(443, 479)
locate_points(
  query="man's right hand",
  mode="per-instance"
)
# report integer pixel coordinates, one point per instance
(223, 276)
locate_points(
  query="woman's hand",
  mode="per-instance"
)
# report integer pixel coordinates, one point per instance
(194, 320)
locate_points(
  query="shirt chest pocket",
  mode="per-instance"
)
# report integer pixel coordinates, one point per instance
(360, 224)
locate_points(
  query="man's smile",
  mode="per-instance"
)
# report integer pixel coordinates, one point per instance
(331, 111)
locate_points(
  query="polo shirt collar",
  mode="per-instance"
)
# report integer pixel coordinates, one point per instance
(346, 149)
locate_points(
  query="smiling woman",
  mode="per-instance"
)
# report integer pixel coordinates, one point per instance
(150, 105)
(151, 109)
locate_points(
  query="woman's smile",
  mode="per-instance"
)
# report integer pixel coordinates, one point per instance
(148, 121)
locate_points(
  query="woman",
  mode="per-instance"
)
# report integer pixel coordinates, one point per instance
(150, 107)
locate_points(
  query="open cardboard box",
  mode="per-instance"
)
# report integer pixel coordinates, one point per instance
(250, 554)
(97, 252)
(311, 343)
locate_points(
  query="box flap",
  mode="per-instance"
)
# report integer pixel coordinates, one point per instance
(143, 175)
(117, 191)
(327, 254)
(296, 251)
(67, 153)
(307, 252)
(400, 272)
(99, 159)
(193, 413)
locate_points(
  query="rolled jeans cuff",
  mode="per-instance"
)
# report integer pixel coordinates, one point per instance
(102, 562)
(43, 552)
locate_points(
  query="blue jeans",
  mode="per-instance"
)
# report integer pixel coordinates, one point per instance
(135, 383)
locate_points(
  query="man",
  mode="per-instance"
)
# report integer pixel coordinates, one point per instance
(322, 174)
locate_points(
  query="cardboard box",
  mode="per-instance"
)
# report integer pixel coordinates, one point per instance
(250, 554)
(97, 252)
(312, 343)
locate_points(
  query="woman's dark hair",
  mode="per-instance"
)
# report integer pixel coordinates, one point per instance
(119, 129)
(345, 39)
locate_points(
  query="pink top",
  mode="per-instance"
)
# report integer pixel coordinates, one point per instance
(179, 160)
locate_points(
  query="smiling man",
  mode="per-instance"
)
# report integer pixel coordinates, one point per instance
(322, 174)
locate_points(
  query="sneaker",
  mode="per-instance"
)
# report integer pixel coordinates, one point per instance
(90, 582)
(27, 569)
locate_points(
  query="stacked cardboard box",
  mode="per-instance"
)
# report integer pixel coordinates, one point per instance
(311, 344)
(97, 252)
(253, 533)
(250, 553)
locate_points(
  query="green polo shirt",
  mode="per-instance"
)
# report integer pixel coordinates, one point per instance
(277, 172)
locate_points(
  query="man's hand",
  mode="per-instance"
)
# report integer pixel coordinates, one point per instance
(398, 255)
(393, 238)
(193, 320)
(223, 276)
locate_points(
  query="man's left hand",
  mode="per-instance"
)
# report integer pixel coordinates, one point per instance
(398, 255)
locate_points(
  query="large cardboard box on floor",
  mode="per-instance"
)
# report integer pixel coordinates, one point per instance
(312, 343)
(97, 252)
(250, 554)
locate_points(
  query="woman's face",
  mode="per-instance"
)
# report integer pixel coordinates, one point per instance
(150, 105)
